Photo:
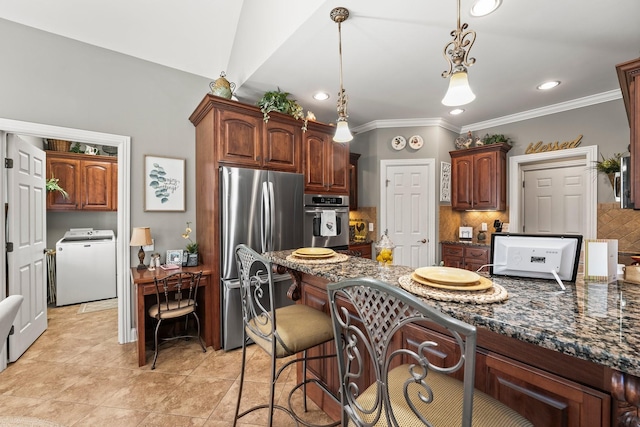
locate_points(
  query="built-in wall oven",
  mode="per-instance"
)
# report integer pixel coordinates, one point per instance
(326, 221)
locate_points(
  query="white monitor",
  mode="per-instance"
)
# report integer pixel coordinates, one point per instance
(536, 255)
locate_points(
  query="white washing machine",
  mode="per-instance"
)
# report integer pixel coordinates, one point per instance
(85, 266)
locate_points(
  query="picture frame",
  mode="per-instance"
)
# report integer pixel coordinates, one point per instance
(174, 256)
(445, 182)
(164, 184)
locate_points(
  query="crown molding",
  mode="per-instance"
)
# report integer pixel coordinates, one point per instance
(512, 118)
(545, 111)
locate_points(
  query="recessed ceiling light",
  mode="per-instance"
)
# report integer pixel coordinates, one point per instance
(548, 85)
(456, 111)
(484, 7)
(320, 96)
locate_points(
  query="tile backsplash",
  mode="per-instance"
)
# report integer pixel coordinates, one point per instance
(613, 223)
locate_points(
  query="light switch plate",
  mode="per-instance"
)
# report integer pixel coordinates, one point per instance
(370, 226)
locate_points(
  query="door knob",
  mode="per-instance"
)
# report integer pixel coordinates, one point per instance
(422, 241)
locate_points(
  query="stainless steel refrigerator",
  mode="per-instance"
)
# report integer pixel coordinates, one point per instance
(264, 210)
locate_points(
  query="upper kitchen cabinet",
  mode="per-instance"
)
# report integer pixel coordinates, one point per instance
(90, 182)
(629, 77)
(326, 162)
(245, 140)
(478, 178)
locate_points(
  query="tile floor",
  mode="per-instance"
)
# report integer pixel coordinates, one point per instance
(77, 374)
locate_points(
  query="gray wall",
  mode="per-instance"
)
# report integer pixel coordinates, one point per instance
(53, 80)
(604, 125)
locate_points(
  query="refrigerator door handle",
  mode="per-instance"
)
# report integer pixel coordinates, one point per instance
(265, 220)
(272, 215)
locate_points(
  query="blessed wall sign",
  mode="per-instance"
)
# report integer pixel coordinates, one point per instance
(541, 147)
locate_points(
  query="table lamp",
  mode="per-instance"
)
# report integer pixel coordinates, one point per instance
(141, 236)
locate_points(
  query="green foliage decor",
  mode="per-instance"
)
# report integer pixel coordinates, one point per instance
(496, 138)
(279, 101)
(52, 184)
(610, 165)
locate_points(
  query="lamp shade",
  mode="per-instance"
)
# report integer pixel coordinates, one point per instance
(343, 134)
(141, 236)
(459, 92)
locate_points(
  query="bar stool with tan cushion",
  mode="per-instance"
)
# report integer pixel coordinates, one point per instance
(386, 376)
(280, 331)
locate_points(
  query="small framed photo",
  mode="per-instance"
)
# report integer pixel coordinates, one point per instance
(174, 257)
(164, 184)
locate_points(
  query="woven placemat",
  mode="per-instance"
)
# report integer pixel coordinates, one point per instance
(496, 293)
(329, 260)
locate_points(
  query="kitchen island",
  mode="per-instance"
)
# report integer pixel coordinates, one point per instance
(558, 357)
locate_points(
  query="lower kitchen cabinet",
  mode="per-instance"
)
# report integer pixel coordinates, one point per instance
(464, 255)
(546, 387)
(363, 248)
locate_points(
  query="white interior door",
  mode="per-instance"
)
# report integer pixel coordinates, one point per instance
(554, 200)
(27, 232)
(407, 210)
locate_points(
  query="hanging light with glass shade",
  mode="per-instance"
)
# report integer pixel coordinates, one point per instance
(343, 134)
(456, 52)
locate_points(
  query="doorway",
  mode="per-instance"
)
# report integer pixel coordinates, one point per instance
(407, 209)
(580, 158)
(125, 331)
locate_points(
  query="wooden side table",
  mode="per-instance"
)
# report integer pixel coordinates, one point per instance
(143, 280)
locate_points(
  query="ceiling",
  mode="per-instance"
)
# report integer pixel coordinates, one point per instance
(392, 51)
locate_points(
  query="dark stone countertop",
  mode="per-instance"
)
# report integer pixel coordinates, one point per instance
(597, 322)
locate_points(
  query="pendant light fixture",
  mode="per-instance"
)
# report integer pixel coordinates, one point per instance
(343, 134)
(456, 52)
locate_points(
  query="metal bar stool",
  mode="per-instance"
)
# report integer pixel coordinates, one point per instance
(280, 332)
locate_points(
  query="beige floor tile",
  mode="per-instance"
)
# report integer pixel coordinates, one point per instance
(195, 397)
(65, 413)
(166, 420)
(78, 375)
(112, 417)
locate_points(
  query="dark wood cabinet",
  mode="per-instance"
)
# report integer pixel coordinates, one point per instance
(478, 178)
(246, 140)
(90, 182)
(363, 248)
(353, 181)
(465, 256)
(326, 163)
(629, 77)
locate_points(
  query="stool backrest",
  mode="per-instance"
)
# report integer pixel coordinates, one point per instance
(256, 293)
(8, 310)
(369, 320)
(177, 290)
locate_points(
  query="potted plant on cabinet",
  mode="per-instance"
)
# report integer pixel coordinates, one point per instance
(279, 101)
(609, 166)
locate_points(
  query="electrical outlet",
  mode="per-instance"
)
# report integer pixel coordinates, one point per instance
(370, 226)
(150, 247)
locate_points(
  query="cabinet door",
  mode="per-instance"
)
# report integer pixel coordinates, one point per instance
(475, 257)
(96, 182)
(339, 167)
(353, 181)
(462, 183)
(114, 186)
(453, 256)
(543, 398)
(315, 161)
(67, 171)
(282, 145)
(239, 138)
(485, 176)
